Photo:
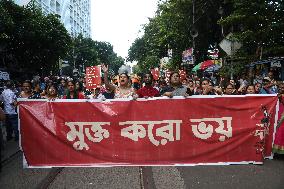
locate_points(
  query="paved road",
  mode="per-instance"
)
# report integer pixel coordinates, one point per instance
(267, 176)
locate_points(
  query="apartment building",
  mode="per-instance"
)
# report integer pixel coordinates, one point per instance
(74, 14)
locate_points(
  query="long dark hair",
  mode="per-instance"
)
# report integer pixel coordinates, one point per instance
(54, 86)
(81, 87)
(76, 94)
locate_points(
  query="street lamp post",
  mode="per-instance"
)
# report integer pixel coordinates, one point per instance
(193, 20)
(193, 32)
(74, 58)
(221, 11)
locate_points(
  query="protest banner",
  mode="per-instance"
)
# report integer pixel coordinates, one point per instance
(187, 56)
(93, 77)
(161, 131)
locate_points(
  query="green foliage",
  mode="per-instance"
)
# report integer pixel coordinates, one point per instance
(170, 29)
(233, 68)
(87, 52)
(32, 42)
(257, 24)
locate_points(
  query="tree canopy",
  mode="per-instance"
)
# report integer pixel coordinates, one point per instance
(171, 28)
(30, 41)
(88, 52)
(257, 24)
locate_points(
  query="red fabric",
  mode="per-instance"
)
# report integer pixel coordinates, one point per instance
(80, 96)
(155, 73)
(182, 74)
(148, 92)
(111, 137)
(206, 64)
(279, 136)
(93, 77)
(167, 74)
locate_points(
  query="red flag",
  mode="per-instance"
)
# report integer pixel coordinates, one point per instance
(156, 73)
(168, 74)
(93, 77)
(182, 74)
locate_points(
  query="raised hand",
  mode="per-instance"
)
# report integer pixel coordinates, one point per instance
(104, 68)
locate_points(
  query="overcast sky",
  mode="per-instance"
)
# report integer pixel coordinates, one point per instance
(119, 21)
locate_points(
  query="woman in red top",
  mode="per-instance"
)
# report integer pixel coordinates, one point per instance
(72, 93)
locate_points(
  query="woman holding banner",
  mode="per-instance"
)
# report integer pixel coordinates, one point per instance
(124, 90)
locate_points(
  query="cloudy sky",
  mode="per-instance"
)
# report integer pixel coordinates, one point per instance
(119, 21)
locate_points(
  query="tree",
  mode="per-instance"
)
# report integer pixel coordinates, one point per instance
(258, 25)
(170, 29)
(88, 52)
(83, 52)
(34, 42)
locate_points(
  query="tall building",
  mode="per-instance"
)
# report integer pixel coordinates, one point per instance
(74, 14)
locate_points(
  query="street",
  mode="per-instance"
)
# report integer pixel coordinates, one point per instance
(130, 85)
(270, 175)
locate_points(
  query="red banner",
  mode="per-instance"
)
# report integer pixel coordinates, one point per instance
(93, 77)
(194, 130)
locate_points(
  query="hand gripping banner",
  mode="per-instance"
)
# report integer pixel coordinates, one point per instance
(160, 131)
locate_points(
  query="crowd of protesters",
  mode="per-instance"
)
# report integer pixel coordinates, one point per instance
(52, 88)
(67, 88)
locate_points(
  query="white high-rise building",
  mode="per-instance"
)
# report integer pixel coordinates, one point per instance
(74, 14)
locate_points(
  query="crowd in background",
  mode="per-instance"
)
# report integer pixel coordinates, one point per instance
(54, 87)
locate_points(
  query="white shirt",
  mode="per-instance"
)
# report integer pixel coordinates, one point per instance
(8, 97)
(99, 97)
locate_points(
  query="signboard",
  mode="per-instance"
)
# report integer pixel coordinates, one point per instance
(213, 54)
(160, 131)
(187, 56)
(4, 75)
(230, 46)
(276, 64)
(164, 61)
(93, 77)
